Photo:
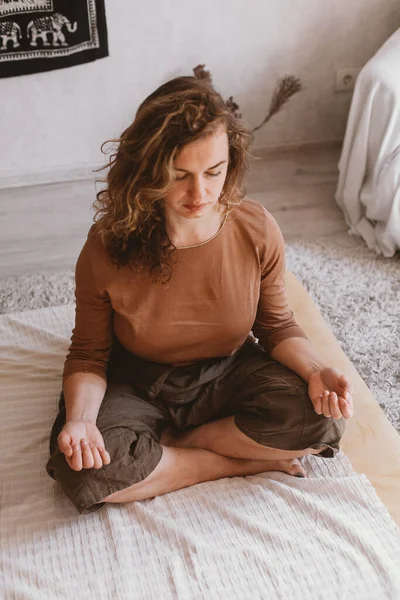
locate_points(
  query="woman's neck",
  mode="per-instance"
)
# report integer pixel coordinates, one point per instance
(189, 232)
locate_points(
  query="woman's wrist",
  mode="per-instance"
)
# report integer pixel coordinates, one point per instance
(83, 394)
(80, 420)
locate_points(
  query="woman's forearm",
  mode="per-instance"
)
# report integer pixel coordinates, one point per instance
(298, 354)
(83, 393)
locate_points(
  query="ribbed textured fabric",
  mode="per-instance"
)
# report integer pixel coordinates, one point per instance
(267, 536)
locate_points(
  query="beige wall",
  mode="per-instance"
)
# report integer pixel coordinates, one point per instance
(56, 121)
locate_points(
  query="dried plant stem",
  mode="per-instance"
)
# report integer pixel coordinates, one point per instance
(284, 90)
(286, 87)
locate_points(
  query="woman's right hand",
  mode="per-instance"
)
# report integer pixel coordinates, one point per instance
(82, 444)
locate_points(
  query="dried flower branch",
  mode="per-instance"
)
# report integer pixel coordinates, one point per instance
(234, 107)
(285, 88)
(201, 73)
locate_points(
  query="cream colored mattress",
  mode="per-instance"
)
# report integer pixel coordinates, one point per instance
(271, 535)
(370, 441)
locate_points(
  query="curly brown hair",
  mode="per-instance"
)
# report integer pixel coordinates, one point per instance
(129, 215)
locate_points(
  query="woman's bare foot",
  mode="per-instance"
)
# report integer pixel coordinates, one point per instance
(292, 466)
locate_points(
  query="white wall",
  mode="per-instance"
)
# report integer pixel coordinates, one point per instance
(57, 120)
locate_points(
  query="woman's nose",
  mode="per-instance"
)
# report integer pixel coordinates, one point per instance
(197, 190)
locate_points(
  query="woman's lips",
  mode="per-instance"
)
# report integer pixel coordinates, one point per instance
(194, 207)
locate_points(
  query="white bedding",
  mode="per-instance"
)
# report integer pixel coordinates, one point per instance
(268, 536)
(369, 168)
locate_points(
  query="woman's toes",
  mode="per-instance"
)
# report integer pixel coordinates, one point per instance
(297, 469)
(291, 466)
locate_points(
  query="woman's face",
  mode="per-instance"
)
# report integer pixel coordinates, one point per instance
(200, 171)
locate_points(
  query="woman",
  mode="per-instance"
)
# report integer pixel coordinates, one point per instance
(164, 385)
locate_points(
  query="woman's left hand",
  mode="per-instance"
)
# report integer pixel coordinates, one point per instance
(331, 393)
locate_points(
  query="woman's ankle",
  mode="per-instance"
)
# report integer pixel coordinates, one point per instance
(184, 467)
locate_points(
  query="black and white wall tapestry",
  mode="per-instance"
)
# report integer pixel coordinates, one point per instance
(42, 35)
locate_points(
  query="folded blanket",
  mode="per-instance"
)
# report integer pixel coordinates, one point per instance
(264, 536)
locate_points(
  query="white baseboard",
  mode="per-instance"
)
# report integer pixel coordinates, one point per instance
(57, 175)
(84, 172)
(272, 151)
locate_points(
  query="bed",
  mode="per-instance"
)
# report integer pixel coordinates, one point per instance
(368, 188)
(332, 535)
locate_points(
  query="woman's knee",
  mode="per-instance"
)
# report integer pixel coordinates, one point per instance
(134, 456)
(281, 415)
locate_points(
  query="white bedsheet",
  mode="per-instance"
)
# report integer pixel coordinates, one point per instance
(368, 189)
(268, 536)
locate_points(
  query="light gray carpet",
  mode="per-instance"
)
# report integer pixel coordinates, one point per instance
(357, 291)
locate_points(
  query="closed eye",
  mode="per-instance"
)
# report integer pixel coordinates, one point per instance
(209, 175)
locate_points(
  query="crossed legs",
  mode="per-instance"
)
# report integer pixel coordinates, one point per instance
(209, 452)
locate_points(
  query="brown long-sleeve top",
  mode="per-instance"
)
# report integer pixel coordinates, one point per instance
(220, 290)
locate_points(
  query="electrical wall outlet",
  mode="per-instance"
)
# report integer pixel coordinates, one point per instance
(346, 79)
